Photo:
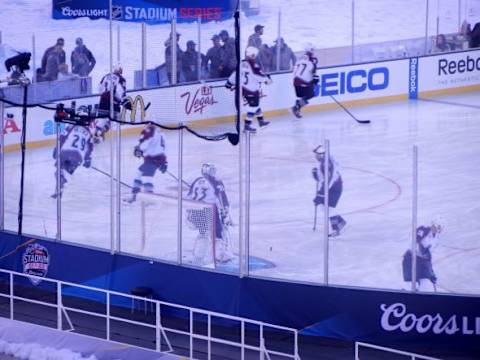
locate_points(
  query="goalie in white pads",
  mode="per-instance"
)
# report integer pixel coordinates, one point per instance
(305, 79)
(151, 147)
(111, 86)
(252, 77)
(209, 189)
(76, 146)
(427, 239)
(335, 189)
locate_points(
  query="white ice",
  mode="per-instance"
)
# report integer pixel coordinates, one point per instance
(376, 166)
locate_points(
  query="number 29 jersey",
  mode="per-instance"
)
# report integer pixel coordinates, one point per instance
(77, 138)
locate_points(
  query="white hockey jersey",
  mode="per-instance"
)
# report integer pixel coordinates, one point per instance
(211, 191)
(116, 82)
(152, 142)
(333, 172)
(251, 76)
(79, 139)
(304, 71)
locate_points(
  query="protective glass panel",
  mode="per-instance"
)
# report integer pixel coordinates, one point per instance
(375, 166)
(149, 191)
(449, 189)
(211, 210)
(389, 32)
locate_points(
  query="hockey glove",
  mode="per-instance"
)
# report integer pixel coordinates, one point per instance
(316, 79)
(87, 163)
(229, 86)
(319, 199)
(163, 167)
(126, 103)
(315, 173)
(137, 152)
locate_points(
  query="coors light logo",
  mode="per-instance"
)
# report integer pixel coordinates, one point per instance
(396, 317)
(196, 101)
(35, 262)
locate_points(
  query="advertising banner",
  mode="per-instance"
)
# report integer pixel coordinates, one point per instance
(451, 70)
(147, 11)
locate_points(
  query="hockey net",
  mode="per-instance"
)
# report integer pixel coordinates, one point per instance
(198, 229)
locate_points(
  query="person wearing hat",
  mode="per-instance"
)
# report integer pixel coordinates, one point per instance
(287, 58)
(82, 59)
(59, 53)
(190, 62)
(255, 39)
(213, 59)
(426, 240)
(229, 58)
(169, 56)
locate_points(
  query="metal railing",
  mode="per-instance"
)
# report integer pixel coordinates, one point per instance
(412, 355)
(212, 319)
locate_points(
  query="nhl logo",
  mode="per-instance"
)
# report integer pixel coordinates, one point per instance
(35, 261)
(117, 12)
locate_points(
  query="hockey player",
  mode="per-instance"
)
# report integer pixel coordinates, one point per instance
(209, 188)
(427, 238)
(151, 147)
(116, 84)
(252, 78)
(305, 79)
(76, 146)
(335, 188)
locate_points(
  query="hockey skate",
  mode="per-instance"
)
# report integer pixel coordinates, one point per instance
(338, 223)
(262, 122)
(131, 199)
(250, 128)
(296, 111)
(56, 195)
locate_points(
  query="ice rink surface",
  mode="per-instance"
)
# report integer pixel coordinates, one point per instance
(376, 163)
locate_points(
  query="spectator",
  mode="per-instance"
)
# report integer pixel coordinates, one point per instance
(441, 44)
(190, 63)
(229, 57)
(58, 47)
(287, 57)
(168, 58)
(475, 36)
(265, 58)
(63, 73)
(213, 59)
(255, 39)
(52, 66)
(82, 59)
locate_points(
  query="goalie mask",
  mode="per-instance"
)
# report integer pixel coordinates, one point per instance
(209, 170)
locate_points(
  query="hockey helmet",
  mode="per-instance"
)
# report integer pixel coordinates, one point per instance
(117, 69)
(309, 48)
(251, 52)
(209, 169)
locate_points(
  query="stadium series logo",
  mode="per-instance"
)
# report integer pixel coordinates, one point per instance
(196, 101)
(35, 261)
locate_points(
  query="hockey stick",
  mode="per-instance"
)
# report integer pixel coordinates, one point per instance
(176, 179)
(110, 176)
(316, 208)
(349, 113)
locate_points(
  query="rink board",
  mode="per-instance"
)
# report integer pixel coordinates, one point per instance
(206, 104)
(412, 322)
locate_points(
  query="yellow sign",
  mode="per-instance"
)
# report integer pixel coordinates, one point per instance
(138, 100)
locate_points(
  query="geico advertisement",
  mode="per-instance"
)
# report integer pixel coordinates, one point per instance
(449, 70)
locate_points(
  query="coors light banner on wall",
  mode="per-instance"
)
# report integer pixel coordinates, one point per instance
(148, 11)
